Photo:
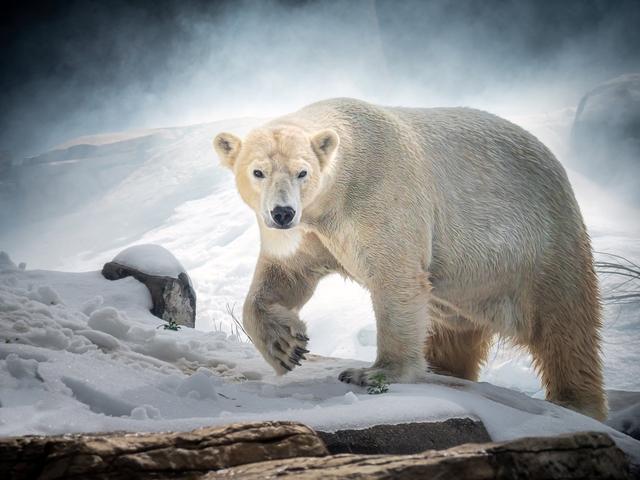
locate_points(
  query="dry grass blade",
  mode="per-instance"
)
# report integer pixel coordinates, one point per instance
(239, 326)
(627, 290)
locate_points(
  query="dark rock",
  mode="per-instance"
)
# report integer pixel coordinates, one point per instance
(406, 438)
(154, 455)
(173, 298)
(582, 455)
(606, 132)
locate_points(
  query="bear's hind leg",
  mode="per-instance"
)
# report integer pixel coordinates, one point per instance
(457, 352)
(565, 345)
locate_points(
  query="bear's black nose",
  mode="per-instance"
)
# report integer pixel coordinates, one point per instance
(283, 215)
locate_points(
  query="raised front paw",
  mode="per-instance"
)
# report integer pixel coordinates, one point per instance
(282, 340)
(287, 351)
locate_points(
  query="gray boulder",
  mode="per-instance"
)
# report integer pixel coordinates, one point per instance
(605, 139)
(173, 296)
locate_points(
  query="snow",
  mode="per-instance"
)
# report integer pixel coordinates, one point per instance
(65, 370)
(79, 353)
(150, 259)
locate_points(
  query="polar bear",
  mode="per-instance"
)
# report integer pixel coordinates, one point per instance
(460, 224)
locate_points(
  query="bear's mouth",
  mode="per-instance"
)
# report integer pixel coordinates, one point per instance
(275, 226)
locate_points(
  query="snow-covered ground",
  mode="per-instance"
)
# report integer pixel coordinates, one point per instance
(80, 353)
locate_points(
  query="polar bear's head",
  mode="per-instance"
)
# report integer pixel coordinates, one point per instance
(278, 170)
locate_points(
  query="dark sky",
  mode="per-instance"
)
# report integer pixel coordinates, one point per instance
(71, 68)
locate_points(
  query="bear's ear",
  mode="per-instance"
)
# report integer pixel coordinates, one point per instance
(325, 144)
(227, 146)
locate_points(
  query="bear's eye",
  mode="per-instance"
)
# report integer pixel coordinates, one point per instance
(258, 174)
(302, 174)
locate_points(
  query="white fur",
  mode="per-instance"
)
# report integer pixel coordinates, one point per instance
(424, 207)
(280, 243)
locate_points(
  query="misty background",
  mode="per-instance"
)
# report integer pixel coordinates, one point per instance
(81, 67)
(108, 111)
(109, 108)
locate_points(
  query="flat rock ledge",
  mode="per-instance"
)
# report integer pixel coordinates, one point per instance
(406, 438)
(155, 455)
(582, 455)
(292, 450)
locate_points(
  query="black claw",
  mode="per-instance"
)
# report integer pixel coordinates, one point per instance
(294, 361)
(302, 337)
(299, 351)
(285, 365)
(302, 357)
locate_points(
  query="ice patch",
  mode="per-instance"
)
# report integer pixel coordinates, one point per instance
(22, 368)
(103, 340)
(145, 412)
(198, 386)
(97, 400)
(45, 294)
(350, 398)
(91, 305)
(109, 320)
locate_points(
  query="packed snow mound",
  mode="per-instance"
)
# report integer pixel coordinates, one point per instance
(94, 360)
(150, 259)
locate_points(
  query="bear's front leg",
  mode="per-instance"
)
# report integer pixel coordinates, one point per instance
(277, 333)
(270, 314)
(401, 319)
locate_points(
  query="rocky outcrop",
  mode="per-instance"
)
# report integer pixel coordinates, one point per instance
(288, 449)
(173, 296)
(155, 455)
(406, 438)
(583, 455)
(605, 139)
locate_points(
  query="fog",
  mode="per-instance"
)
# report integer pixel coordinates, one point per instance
(77, 68)
(82, 68)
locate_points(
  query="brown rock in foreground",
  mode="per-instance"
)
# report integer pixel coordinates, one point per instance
(583, 455)
(155, 455)
(288, 449)
(406, 438)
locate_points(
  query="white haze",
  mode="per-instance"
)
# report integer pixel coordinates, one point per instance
(261, 59)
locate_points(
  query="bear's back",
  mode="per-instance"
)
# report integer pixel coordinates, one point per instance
(474, 169)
